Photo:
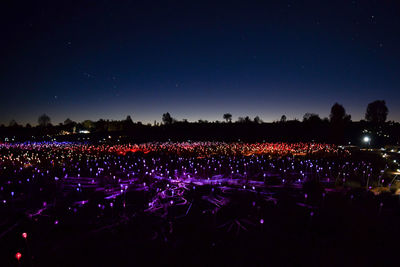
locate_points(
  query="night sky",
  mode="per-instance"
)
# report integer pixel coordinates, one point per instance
(196, 60)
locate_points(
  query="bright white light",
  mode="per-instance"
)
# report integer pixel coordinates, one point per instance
(366, 139)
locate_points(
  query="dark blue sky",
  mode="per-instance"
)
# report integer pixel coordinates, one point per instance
(197, 60)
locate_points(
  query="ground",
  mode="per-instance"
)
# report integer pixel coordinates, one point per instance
(202, 204)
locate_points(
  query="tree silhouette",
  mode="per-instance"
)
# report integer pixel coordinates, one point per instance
(258, 120)
(227, 117)
(13, 123)
(377, 112)
(44, 120)
(244, 119)
(128, 123)
(339, 120)
(68, 122)
(312, 118)
(101, 125)
(283, 118)
(129, 119)
(167, 119)
(88, 125)
(338, 114)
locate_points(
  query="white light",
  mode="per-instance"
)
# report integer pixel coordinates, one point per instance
(366, 139)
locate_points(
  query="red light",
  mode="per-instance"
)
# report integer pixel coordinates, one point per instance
(24, 235)
(18, 256)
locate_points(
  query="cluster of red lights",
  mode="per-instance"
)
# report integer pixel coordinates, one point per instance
(184, 148)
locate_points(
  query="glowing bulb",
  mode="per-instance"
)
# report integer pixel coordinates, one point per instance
(18, 256)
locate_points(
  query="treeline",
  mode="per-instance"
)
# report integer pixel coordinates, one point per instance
(338, 128)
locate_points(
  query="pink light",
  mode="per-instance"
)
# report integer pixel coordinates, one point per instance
(24, 235)
(18, 256)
